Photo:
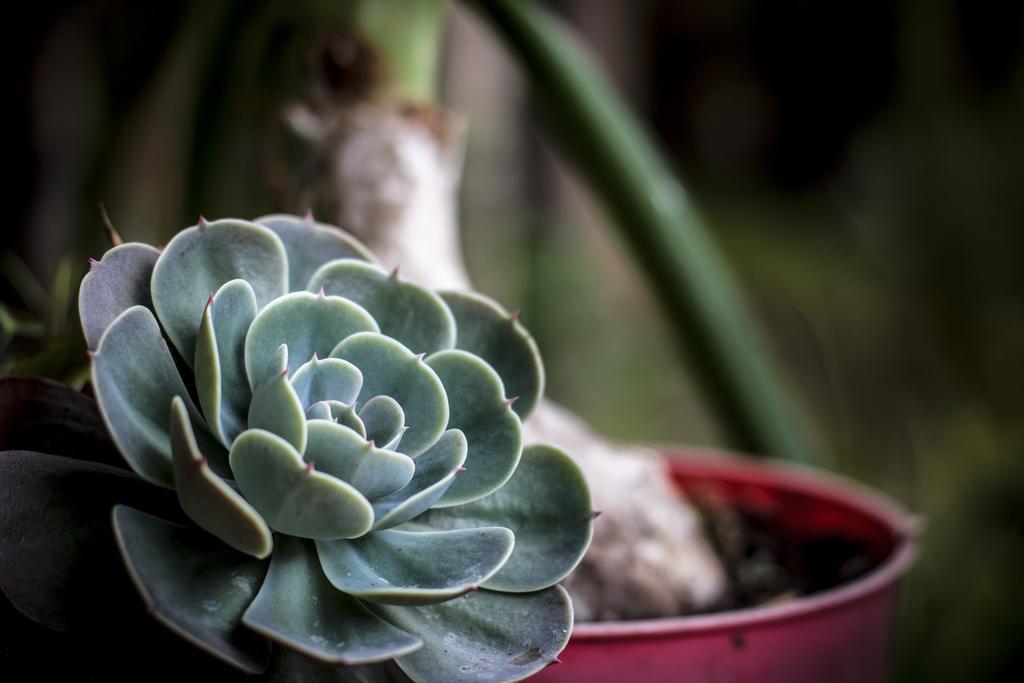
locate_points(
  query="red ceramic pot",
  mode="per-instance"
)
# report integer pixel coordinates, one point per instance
(837, 635)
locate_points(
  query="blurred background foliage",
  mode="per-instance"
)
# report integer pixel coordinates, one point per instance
(857, 160)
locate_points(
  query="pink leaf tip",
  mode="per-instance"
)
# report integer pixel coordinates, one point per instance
(511, 401)
(515, 315)
(202, 221)
(308, 216)
(394, 272)
(460, 469)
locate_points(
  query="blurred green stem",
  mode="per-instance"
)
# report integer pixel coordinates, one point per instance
(663, 228)
(407, 35)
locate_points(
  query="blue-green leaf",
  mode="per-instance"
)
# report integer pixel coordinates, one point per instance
(114, 284)
(547, 506)
(390, 369)
(340, 452)
(415, 568)
(414, 315)
(193, 584)
(484, 328)
(308, 323)
(276, 408)
(477, 405)
(435, 471)
(329, 379)
(293, 498)
(384, 421)
(198, 260)
(297, 607)
(134, 378)
(206, 499)
(484, 635)
(310, 245)
(221, 382)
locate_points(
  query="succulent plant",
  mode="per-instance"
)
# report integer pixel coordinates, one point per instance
(348, 448)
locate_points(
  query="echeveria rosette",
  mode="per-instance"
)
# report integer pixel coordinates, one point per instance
(349, 447)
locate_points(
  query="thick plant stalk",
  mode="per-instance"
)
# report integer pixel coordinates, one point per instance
(657, 220)
(392, 179)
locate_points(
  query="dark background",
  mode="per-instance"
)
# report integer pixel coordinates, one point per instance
(858, 161)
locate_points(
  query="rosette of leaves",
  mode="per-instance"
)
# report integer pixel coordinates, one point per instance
(346, 447)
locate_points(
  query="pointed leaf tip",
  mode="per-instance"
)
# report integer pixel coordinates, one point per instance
(394, 273)
(515, 315)
(511, 401)
(202, 221)
(596, 513)
(308, 216)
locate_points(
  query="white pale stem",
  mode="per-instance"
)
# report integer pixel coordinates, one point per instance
(394, 180)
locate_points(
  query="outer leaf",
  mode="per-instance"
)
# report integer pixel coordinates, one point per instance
(309, 324)
(340, 452)
(201, 259)
(206, 499)
(276, 408)
(134, 378)
(415, 568)
(413, 315)
(384, 421)
(41, 415)
(487, 330)
(330, 379)
(288, 666)
(193, 584)
(476, 399)
(221, 382)
(58, 555)
(293, 498)
(435, 472)
(547, 506)
(114, 284)
(298, 607)
(390, 369)
(484, 636)
(310, 245)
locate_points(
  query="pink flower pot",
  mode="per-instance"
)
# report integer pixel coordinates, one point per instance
(838, 635)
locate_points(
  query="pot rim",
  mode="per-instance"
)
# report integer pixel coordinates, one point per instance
(905, 527)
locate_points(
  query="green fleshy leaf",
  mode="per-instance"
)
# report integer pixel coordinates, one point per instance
(390, 369)
(435, 471)
(206, 499)
(484, 635)
(193, 584)
(330, 379)
(340, 452)
(221, 382)
(413, 315)
(310, 245)
(547, 506)
(308, 323)
(384, 421)
(114, 284)
(202, 258)
(288, 666)
(477, 403)
(321, 410)
(293, 498)
(299, 608)
(276, 408)
(415, 568)
(484, 328)
(134, 379)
